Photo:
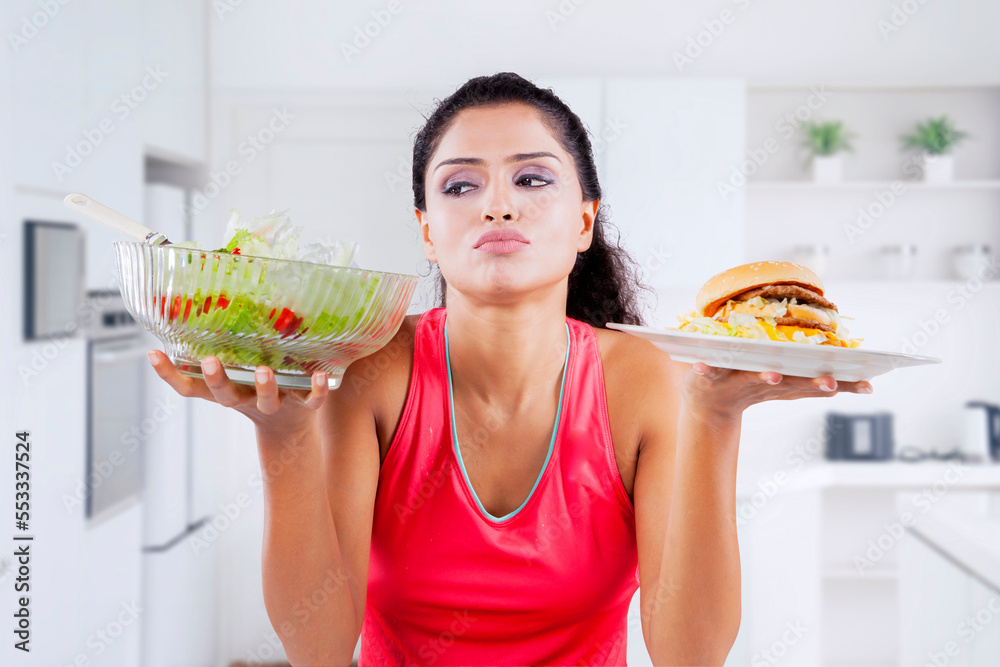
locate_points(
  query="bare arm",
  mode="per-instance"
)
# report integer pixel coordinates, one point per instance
(318, 527)
(689, 555)
(309, 575)
(305, 578)
(685, 500)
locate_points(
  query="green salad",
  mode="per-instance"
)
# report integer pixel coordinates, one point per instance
(233, 303)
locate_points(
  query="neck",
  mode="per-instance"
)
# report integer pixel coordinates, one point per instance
(512, 350)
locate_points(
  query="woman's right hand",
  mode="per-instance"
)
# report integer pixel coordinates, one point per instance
(270, 408)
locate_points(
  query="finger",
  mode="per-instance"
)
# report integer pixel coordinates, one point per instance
(184, 385)
(770, 377)
(821, 386)
(710, 372)
(219, 384)
(826, 383)
(268, 401)
(320, 389)
(860, 387)
(798, 387)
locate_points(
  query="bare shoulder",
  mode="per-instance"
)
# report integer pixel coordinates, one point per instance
(642, 382)
(380, 382)
(630, 361)
(367, 377)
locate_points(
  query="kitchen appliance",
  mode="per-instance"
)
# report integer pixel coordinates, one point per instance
(859, 437)
(115, 408)
(54, 262)
(981, 432)
(970, 260)
(898, 261)
(178, 582)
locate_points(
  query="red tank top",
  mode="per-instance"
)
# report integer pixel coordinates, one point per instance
(550, 583)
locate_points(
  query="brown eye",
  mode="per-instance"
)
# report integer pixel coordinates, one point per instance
(532, 181)
(458, 189)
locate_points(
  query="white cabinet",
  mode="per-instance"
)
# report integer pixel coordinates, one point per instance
(840, 557)
(677, 138)
(950, 584)
(981, 631)
(948, 616)
(174, 45)
(49, 98)
(97, 85)
(803, 567)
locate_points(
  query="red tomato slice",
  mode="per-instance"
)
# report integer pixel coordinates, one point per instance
(175, 308)
(284, 319)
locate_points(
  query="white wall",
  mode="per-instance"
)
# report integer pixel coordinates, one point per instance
(781, 41)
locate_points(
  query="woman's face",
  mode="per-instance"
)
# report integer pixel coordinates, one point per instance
(499, 169)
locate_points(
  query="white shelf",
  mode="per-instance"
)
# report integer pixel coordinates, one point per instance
(849, 573)
(853, 186)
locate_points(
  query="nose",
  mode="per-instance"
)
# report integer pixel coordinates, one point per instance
(499, 206)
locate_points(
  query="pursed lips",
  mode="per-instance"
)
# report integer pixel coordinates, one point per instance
(501, 238)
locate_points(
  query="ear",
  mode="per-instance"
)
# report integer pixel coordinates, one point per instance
(588, 214)
(425, 234)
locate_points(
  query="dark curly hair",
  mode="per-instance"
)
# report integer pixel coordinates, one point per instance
(604, 284)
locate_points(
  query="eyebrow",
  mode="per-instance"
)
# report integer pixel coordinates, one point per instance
(479, 162)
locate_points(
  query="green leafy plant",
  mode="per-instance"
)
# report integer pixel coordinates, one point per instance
(827, 138)
(935, 136)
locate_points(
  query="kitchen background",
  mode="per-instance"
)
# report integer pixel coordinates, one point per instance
(147, 509)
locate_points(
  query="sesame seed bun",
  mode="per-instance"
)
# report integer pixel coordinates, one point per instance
(727, 284)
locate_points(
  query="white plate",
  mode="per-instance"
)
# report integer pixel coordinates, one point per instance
(752, 354)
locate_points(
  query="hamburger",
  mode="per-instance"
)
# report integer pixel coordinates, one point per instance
(771, 300)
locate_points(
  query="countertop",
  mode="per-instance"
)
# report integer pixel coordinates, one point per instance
(878, 474)
(899, 474)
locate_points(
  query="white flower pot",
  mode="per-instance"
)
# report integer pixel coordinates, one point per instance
(937, 168)
(827, 168)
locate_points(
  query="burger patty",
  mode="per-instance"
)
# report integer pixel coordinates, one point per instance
(802, 294)
(805, 324)
(795, 322)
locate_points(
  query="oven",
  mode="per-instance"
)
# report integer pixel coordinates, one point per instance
(115, 405)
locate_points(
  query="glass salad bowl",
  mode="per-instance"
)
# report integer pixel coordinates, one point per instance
(294, 317)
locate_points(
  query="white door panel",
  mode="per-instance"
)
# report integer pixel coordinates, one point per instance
(351, 192)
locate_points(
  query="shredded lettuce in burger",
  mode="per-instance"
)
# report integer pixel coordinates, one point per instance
(743, 324)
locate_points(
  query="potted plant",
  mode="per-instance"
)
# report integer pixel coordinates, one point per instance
(825, 141)
(935, 138)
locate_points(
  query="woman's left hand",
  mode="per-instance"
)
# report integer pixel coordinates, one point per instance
(726, 393)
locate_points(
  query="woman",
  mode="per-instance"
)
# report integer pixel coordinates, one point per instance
(493, 485)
